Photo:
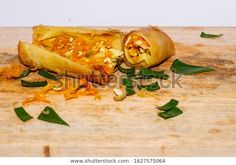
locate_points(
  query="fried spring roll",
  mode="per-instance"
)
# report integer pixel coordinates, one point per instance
(147, 47)
(90, 52)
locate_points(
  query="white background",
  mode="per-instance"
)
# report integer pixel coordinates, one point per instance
(118, 12)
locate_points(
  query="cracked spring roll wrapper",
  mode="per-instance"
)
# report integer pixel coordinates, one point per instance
(147, 47)
(74, 51)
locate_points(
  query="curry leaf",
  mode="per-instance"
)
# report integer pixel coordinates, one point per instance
(150, 87)
(186, 69)
(23, 74)
(205, 35)
(146, 73)
(127, 82)
(126, 70)
(49, 115)
(170, 113)
(22, 114)
(48, 75)
(25, 83)
(171, 104)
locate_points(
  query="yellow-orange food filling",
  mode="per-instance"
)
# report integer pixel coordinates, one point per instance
(96, 54)
(12, 71)
(136, 45)
(68, 87)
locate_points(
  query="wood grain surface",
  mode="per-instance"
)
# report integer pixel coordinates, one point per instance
(131, 127)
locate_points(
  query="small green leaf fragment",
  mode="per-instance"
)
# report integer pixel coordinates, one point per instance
(131, 75)
(47, 75)
(127, 82)
(24, 73)
(171, 104)
(22, 114)
(170, 113)
(25, 83)
(150, 87)
(146, 73)
(205, 35)
(49, 115)
(126, 70)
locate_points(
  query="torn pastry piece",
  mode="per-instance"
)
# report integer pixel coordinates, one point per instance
(147, 47)
(74, 51)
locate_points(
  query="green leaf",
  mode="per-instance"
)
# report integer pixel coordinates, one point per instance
(205, 35)
(25, 83)
(125, 70)
(48, 75)
(146, 73)
(170, 109)
(23, 74)
(127, 82)
(171, 104)
(131, 75)
(150, 87)
(130, 71)
(22, 114)
(49, 115)
(186, 69)
(170, 113)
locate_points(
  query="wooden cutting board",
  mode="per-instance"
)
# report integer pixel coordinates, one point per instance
(131, 127)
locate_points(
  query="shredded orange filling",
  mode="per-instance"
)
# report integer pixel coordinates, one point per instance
(68, 87)
(75, 46)
(39, 95)
(12, 71)
(136, 45)
(78, 50)
(134, 38)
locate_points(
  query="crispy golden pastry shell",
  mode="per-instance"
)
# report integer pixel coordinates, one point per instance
(161, 46)
(41, 33)
(35, 56)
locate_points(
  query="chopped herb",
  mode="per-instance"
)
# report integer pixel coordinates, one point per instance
(49, 115)
(126, 70)
(170, 113)
(170, 109)
(131, 75)
(127, 82)
(151, 87)
(186, 69)
(25, 83)
(24, 74)
(46, 74)
(146, 73)
(171, 104)
(205, 35)
(22, 114)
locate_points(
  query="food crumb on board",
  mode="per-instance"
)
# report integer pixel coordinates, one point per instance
(162, 151)
(46, 151)
(214, 131)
